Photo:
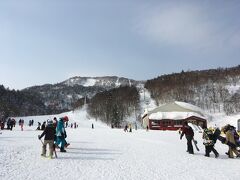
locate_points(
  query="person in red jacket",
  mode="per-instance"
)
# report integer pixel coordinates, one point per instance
(188, 132)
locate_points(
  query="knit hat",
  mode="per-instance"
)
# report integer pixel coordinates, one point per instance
(49, 122)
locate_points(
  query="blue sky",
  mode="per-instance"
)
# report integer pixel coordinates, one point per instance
(48, 41)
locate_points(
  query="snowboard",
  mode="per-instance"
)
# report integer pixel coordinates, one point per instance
(222, 139)
(195, 144)
(216, 134)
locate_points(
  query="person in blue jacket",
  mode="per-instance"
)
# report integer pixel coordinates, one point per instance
(61, 133)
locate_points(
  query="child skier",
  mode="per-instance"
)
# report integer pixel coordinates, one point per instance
(208, 141)
(49, 133)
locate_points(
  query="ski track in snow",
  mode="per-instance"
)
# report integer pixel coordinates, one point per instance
(109, 154)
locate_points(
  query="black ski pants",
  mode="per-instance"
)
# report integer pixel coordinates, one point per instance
(209, 149)
(189, 144)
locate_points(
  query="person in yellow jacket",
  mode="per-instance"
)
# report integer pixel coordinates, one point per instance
(228, 130)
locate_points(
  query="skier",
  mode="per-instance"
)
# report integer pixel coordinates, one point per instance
(92, 126)
(49, 133)
(188, 131)
(209, 142)
(61, 133)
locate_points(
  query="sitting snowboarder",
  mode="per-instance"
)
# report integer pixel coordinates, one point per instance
(188, 131)
(49, 133)
(208, 141)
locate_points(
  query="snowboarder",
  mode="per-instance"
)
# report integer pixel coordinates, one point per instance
(21, 124)
(49, 133)
(43, 126)
(189, 134)
(229, 131)
(75, 125)
(39, 126)
(126, 128)
(61, 133)
(208, 141)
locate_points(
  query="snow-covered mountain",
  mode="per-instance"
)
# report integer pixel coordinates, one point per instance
(105, 81)
(62, 96)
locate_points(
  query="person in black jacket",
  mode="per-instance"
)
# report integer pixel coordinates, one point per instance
(188, 131)
(49, 133)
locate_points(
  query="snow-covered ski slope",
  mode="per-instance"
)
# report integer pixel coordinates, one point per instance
(111, 154)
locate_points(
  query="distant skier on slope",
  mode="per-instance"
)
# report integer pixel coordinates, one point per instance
(188, 132)
(208, 141)
(49, 133)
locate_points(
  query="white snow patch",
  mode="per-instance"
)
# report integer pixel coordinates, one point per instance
(90, 82)
(233, 89)
(117, 84)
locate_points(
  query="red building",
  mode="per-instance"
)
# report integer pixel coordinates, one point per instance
(172, 116)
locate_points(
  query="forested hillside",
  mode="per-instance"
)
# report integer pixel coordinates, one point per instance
(215, 90)
(17, 103)
(115, 105)
(61, 97)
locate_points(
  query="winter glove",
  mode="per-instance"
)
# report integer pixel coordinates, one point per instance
(39, 137)
(62, 134)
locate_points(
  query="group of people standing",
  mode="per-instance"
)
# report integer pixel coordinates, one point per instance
(54, 135)
(210, 138)
(10, 122)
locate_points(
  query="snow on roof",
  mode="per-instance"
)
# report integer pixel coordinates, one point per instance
(176, 110)
(173, 115)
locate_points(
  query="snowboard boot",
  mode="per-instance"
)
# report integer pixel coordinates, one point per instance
(62, 150)
(66, 145)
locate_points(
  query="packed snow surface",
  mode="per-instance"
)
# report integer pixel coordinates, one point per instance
(103, 153)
